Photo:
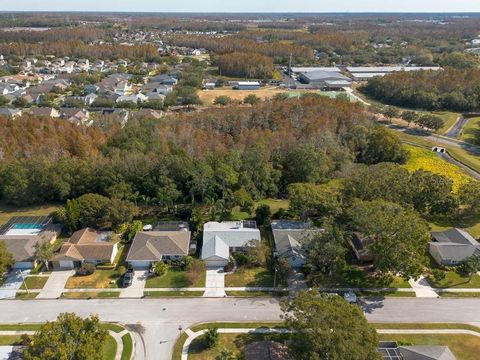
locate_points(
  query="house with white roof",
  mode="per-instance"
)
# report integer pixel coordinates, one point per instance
(219, 239)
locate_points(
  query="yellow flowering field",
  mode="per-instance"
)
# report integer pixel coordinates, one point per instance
(420, 159)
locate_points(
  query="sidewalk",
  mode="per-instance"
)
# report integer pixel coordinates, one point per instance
(422, 288)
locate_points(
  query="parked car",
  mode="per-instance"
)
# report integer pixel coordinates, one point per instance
(127, 279)
(350, 297)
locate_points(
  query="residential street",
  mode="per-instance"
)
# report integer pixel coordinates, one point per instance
(161, 319)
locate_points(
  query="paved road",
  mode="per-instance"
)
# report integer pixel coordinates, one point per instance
(457, 127)
(161, 318)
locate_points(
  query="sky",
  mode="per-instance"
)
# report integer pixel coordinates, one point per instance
(244, 5)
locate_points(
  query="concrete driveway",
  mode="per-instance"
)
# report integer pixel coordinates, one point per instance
(12, 283)
(215, 282)
(55, 284)
(138, 284)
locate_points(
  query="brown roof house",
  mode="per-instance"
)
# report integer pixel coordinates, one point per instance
(86, 245)
(149, 247)
(21, 235)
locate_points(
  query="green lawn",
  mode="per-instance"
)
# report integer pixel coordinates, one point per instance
(275, 205)
(7, 211)
(459, 295)
(20, 327)
(26, 296)
(257, 293)
(464, 347)
(425, 326)
(387, 293)
(471, 131)
(449, 119)
(91, 294)
(455, 280)
(161, 294)
(470, 224)
(109, 349)
(113, 327)
(9, 340)
(100, 279)
(357, 278)
(34, 282)
(127, 347)
(251, 277)
(173, 279)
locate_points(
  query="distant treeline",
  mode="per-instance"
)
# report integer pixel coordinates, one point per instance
(457, 90)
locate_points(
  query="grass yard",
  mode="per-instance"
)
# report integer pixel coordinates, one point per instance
(20, 327)
(100, 279)
(34, 282)
(448, 118)
(127, 347)
(251, 277)
(9, 340)
(173, 279)
(275, 205)
(233, 342)
(161, 294)
(256, 293)
(400, 294)
(91, 294)
(356, 277)
(7, 211)
(455, 280)
(471, 131)
(109, 349)
(26, 296)
(113, 327)
(208, 96)
(420, 159)
(448, 294)
(464, 347)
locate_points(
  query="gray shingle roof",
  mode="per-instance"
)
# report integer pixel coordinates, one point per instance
(426, 352)
(152, 245)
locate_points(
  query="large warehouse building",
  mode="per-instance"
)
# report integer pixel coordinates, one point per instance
(364, 73)
(329, 80)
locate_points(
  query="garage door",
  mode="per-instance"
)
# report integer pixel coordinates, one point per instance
(137, 264)
(216, 263)
(23, 265)
(66, 264)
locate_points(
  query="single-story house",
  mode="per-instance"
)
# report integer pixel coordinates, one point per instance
(8, 112)
(149, 247)
(221, 238)
(45, 112)
(453, 246)
(86, 245)
(22, 233)
(390, 350)
(289, 237)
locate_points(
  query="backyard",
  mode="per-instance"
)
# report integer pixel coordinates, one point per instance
(8, 211)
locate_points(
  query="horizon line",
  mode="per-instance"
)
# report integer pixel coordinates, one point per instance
(235, 12)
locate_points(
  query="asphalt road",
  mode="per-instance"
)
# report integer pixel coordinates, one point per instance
(158, 321)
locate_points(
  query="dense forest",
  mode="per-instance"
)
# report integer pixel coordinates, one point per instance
(245, 65)
(456, 90)
(192, 157)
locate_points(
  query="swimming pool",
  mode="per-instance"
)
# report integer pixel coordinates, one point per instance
(27, 227)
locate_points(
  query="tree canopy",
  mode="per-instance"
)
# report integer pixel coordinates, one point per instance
(328, 328)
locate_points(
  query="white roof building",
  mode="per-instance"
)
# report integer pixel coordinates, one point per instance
(219, 238)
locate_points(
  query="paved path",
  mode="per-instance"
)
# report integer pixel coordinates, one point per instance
(455, 130)
(12, 283)
(215, 283)
(422, 288)
(55, 284)
(118, 340)
(138, 285)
